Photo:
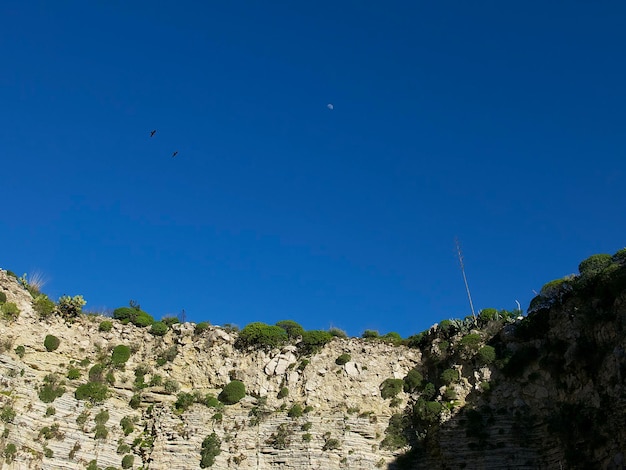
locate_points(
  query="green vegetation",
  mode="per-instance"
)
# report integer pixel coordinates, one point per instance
(71, 307)
(159, 328)
(10, 451)
(392, 338)
(10, 311)
(261, 335)
(51, 389)
(20, 351)
(134, 315)
(281, 438)
(232, 392)
(201, 327)
(184, 401)
(391, 387)
(105, 326)
(331, 444)
(293, 329)
(449, 376)
(128, 461)
(7, 414)
(295, 411)
(127, 425)
(470, 343)
(396, 432)
(51, 343)
(73, 373)
(487, 354)
(120, 354)
(3, 297)
(210, 449)
(43, 306)
(167, 355)
(343, 359)
(337, 332)
(284, 392)
(95, 392)
(313, 341)
(413, 380)
(370, 334)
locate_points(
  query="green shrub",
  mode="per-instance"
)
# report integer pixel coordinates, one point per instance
(413, 380)
(314, 340)
(43, 306)
(295, 411)
(171, 386)
(396, 432)
(331, 444)
(102, 417)
(471, 342)
(184, 401)
(101, 432)
(449, 375)
(133, 315)
(10, 451)
(343, 359)
(159, 328)
(120, 354)
(128, 461)
(370, 334)
(169, 321)
(96, 373)
(232, 392)
(487, 354)
(73, 373)
(211, 401)
(391, 387)
(293, 329)
(51, 342)
(50, 390)
(210, 449)
(93, 391)
(127, 425)
(51, 411)
(10, 311)
(105, 326)
(427, 412)
(392, 338)
(156, 380)
(3, 297)
(20, 351)
(261, 335)
(7, 414)
(142, 319)
(283, 392)
(92, 465)
(135, 401)
(71, 307)
(337, 333)
(594, 265)
(201, 327)
(487, 314)
(167, 356)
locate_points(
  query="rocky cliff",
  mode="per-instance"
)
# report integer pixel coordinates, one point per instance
(545, 391)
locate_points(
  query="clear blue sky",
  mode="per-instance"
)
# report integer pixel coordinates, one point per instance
(500, 123)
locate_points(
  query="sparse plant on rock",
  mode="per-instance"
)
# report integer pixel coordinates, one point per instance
(51, 343)
(343, 359)
(232, 392)
(71, 307)
(391, 387)
(210, 449)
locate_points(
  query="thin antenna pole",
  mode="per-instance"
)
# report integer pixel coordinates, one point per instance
(469, 296)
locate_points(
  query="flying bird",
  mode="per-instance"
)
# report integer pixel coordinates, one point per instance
(152, 133)
(330, 106)
(174, 154)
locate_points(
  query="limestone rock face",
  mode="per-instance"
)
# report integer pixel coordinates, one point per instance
(342, 402)
(543, 392)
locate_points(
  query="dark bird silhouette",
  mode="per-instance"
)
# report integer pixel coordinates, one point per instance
(152, 133)
(174, 154)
